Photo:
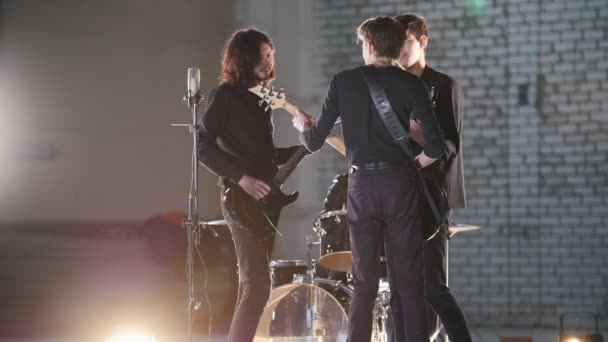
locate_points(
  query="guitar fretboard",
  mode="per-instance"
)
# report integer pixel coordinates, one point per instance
(285, 170)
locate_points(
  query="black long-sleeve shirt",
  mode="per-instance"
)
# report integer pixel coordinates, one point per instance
(236, 136)
(367, 139)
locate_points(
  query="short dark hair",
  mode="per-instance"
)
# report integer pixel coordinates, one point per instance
(384, 33)
(414, 24)
(240, 56)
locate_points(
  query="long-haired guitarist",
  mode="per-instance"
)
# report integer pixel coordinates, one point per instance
(236, 143)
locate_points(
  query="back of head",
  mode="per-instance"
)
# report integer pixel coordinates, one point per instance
(413, 24)
(240, 56)
(384, 33)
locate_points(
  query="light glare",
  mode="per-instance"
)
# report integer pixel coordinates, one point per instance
(132, 337)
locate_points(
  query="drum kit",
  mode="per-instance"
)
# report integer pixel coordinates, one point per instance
(310, 299)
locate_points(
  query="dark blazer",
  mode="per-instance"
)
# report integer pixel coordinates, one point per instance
(448, 106)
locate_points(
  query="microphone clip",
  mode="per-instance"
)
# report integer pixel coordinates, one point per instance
(192, 100)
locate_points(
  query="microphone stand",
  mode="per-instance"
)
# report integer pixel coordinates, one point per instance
(191, 224)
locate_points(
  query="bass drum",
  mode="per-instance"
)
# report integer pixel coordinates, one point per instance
(341, 292)
(302, 312)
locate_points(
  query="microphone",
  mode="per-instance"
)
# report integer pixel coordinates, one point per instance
(193, 96)
(193, 81)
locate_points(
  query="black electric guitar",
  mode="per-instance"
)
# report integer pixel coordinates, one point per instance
(260, 216)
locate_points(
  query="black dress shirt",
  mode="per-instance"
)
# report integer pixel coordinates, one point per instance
(366, 138)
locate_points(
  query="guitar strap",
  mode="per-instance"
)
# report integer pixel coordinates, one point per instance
(398, 133)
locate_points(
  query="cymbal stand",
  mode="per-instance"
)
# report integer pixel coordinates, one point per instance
(311, 240)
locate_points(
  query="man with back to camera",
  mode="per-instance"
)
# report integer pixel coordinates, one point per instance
(384, 198)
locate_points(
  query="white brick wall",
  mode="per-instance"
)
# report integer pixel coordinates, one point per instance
(536, 173)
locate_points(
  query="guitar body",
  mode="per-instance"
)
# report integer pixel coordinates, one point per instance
(276, 200)
(440, 198)
(260, 217)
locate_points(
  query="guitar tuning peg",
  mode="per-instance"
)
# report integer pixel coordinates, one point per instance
(270, 103)
(261, 102)
(263, 88)
(280, 93)
(271, 91)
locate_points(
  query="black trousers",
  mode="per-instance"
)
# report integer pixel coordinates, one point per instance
(253, 255)
(440, 300)
(385, 205)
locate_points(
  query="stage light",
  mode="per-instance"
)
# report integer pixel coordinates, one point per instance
(579, 336)
(573, 339)
(132, 337)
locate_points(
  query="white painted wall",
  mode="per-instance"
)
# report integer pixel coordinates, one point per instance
(87, 93)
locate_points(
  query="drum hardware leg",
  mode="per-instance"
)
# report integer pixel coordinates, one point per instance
(442, 334)
(381, 317)
(311, 240)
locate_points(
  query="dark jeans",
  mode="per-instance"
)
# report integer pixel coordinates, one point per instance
(253, 257)
(385, 204)
(438, 296)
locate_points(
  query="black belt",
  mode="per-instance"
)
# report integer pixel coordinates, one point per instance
(376, 166)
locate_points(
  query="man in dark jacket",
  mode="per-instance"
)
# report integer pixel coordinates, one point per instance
(447, 100)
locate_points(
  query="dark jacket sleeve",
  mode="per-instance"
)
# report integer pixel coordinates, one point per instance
(455, 175)
(314, 138)
(422, 110)
(451, 115)
(214, 124)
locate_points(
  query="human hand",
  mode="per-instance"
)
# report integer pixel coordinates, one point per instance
(416, 132)
(302, 122)
(254, 187)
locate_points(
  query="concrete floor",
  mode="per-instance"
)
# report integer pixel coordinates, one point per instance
(66, 283)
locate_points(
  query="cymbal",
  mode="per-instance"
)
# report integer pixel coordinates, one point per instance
(215, 223)
(337, 261)
(454, 229)
(332, 213)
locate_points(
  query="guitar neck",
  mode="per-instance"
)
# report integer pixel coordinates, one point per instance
(332, 139)
(289, 166)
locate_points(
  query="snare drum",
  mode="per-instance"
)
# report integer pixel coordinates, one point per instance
(283, 271)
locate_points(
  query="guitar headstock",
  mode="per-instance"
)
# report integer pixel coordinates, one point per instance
(269, 97)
